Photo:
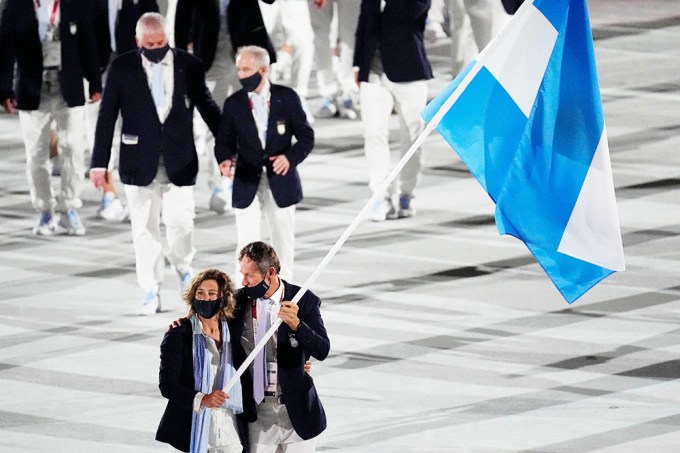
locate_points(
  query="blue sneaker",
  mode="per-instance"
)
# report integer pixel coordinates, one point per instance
(45, 226)
(327, 109)
(346, 108)
(406, 208)
(220, 200)
(70, 224)
(151, 304)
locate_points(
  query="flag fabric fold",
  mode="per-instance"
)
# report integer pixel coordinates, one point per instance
(526, 118)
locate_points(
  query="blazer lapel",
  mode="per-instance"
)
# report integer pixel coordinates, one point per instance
(179, 75)
(144, 90)
(250, 120)
(274, 110)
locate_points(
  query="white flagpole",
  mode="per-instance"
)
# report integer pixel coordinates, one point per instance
(339, 243)
(429, 127)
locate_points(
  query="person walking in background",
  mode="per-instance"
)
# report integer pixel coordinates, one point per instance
(258, 125)
(155, 90)
(289, 23)
(336, 85)
(54, 46)
(115, 22)
(393, 70)
(212, 29)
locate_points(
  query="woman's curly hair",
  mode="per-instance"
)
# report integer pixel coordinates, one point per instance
(225, 285)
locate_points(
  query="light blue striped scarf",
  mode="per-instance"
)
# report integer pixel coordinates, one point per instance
(200, 422)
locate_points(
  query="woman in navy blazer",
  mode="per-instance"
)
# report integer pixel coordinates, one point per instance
(210, 290)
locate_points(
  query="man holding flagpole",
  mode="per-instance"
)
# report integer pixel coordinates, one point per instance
(280, 401)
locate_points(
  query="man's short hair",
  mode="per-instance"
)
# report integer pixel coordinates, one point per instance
(263, 255)
(150, 23)
(260, 55)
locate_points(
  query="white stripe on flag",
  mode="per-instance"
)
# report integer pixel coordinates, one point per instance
(521, 72)
(592, 233)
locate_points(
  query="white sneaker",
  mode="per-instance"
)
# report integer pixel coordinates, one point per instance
(112, 209)
(381, 209)
(70, 224)
(151, 304)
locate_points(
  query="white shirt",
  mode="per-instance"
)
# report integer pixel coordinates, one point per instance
(261, 127)
(168, 81)
(49, 16)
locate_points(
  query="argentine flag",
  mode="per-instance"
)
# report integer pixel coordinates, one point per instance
(526, 118)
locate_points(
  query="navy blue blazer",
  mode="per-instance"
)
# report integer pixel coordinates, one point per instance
(198, 22)
(176, 382)
(21, 43)
(397, 33)
(128, 15)
(238, 139)
(297, 387)
(144, 138)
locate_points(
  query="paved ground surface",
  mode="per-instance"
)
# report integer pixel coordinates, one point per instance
(445, 336)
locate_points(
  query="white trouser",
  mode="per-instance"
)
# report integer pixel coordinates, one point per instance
(274, 433)
(471, 25)
(378, 96)
(292, 16)
(35, 128)
(175, 207)
(281, 226)
(91, 114)
(329, 80)
(222, 81)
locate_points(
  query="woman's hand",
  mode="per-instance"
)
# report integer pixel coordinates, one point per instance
(214, 399)
(308, 367)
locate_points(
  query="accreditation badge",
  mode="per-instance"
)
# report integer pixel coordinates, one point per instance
(272, 376)
(73, 28)
(281, 127)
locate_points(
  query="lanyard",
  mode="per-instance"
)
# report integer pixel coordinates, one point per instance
(53, 16)
(54, 12)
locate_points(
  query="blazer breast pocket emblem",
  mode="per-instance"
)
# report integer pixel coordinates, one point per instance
(281, 127)
(129, 139)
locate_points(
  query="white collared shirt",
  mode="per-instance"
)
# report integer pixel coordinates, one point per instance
(168, 81)
(49, 17)
(275, 300)
(265, 92)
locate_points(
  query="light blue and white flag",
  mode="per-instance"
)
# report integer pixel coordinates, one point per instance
(526, 118)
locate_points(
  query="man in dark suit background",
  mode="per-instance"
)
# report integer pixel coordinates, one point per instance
(214, 30)
(279, 397)
(53, 45)
(155, 90)
(393, 73)
(258, 125)
(115, 22)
